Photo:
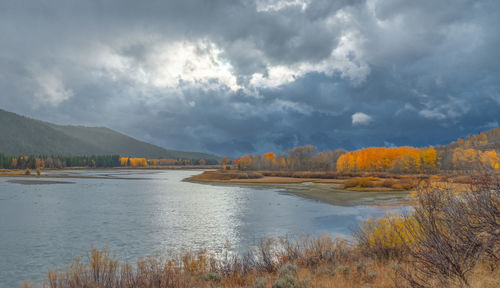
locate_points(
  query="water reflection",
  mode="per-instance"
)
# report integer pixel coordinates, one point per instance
(46, 226)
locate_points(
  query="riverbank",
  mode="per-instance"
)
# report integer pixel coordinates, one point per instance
(64, 176)
(331, 191)
(362, 182)
(169, 167)
(62, 172)
(38, 182)
(232, 176)
(335, 188)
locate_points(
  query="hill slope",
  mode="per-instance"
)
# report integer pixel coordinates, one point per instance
(20, 135)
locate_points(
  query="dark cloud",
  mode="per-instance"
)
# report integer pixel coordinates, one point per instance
(236, 77)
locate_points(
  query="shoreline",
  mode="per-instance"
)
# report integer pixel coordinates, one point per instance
(267, 180)
(38, 182)
(170, 167)
(326, 194)
(329, 191)
(16, 173)
(337, 183)
(66, 176)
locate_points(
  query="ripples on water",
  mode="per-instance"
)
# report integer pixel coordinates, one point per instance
(47, 226)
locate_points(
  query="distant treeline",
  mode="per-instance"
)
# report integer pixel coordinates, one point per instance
(33, 162)
(475, 152)
(182, 162)
(298, 159)
(98, 161)
(143, 162)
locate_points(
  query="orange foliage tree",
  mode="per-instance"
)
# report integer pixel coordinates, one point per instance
(397, 159)
(133, 162)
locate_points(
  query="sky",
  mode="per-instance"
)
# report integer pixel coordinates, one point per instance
(247, 77)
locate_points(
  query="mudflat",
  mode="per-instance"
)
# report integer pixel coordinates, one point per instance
(38, 182)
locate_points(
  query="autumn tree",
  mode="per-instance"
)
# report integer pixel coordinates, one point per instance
(429, 159)
(470, 153)
(269, 161)
(403, 159)
(133, 162)
(224, 162)
(300, 158)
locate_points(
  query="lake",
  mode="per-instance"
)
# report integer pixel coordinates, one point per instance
(153, 211)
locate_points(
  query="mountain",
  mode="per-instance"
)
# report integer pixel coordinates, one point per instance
(20, 135)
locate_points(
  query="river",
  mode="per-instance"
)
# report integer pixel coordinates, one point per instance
(135, 213)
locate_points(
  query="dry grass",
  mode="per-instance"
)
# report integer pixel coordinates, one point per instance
(254, 177)
(378, 184)
(303, 174)
(318, 262)
(224, 175)
(313, 262)
(353, 182)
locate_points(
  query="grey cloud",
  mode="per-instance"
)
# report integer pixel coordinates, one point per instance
(433, 70)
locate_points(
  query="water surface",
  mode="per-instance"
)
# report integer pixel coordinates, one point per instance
(46, 226)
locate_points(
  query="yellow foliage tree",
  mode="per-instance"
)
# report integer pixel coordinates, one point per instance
(429, 159)
(402, 159)
(133, 162)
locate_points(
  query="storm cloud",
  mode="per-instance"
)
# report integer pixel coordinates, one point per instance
(237, 77)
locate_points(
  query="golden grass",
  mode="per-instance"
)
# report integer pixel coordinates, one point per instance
(312, 262)
(284, 180)
(316, 262)
(224, 175)
(254, 177)
(378, 184)
(353, 182)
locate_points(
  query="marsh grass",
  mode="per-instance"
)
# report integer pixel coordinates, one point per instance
(309, 262)
(402, 183)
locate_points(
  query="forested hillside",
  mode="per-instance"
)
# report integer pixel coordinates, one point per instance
(20, 135)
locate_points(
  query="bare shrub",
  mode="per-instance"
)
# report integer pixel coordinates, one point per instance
(451, 233)
(266, 260)
(388, 183)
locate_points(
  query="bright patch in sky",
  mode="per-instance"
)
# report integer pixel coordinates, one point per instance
(50, 87)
